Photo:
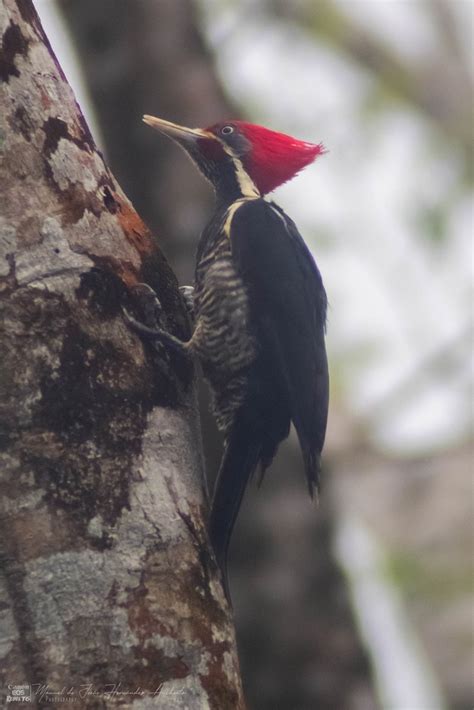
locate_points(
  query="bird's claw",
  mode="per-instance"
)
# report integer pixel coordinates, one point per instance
(149, 305)
(152, 325)
(137, 325)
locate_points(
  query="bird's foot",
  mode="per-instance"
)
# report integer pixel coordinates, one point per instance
(149, 305)
(151, 327)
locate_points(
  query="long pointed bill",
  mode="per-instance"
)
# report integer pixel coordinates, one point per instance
(181, 134)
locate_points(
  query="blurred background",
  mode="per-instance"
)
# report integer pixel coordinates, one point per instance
(365, 601)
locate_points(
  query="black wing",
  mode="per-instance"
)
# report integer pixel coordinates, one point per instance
(288, 308)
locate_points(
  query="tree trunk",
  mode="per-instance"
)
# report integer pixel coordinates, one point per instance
(151, 58)
(109, 592)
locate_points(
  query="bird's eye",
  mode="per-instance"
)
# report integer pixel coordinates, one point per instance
(227, 130)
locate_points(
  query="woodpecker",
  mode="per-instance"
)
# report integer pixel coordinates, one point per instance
(259, 308)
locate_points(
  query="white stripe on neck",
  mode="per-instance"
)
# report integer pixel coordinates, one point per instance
(231, 212)
(246, 184)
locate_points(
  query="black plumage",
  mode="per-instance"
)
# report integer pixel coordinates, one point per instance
(287, 379)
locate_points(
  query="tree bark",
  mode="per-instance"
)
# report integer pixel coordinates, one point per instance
(149, 57)
(109, 591)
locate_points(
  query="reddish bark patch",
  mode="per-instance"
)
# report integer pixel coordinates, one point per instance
(142, 620)
(135, 230)
(216, 682)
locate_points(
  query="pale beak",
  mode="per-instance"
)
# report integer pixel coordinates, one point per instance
(181, 134)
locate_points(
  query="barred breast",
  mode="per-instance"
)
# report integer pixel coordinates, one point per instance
(222, 339)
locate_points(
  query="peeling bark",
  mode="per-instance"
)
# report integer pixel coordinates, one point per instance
(107, 580)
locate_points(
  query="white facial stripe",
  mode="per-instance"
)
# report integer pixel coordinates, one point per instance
(246, 184)
(231, 212)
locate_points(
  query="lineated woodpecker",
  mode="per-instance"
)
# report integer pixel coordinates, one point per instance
(259, 308)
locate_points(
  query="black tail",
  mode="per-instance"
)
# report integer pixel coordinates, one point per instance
(241, 457)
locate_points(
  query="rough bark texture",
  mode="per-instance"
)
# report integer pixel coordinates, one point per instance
(149, 57)
(106, 573)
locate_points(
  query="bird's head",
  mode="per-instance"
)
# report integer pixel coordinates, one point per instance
(241, 159)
